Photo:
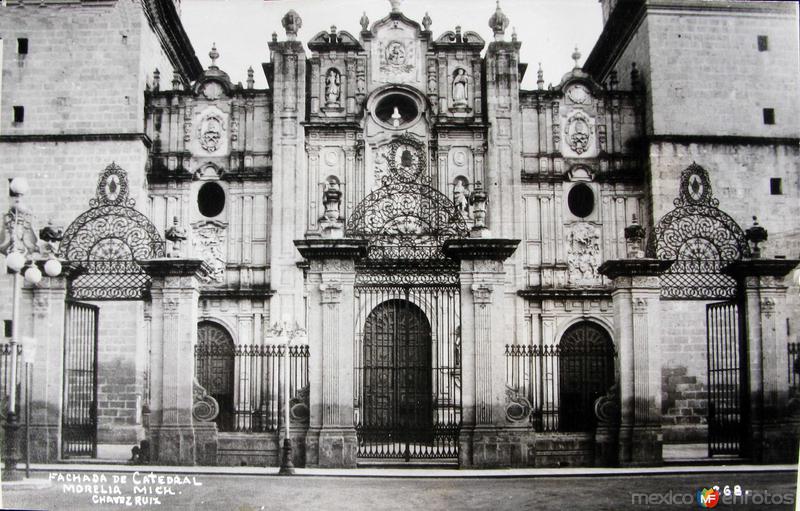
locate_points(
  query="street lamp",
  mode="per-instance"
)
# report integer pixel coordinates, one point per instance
(20, 244)
(284, 331)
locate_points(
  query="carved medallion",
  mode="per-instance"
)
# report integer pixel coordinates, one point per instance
(212, 91)
(579, 131)
(211, 131)
(395, 53)
(579, 95)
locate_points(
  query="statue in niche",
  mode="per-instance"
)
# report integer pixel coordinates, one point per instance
(461, 196)
(396, 118)
(332, 88)
(460, 93)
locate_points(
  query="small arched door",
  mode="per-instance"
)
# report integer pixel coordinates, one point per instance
(214, 367)
(397, 372)
(586, 372)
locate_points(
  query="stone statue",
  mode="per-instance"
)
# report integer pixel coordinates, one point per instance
(332, 88)
(461, 196)
(176, 235)
(364, 22)
(396, 117)
(460, 81)
(332, 226)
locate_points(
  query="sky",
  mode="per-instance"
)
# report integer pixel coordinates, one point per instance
(549, 30)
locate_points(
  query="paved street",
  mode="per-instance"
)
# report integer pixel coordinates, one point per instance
(270, 492)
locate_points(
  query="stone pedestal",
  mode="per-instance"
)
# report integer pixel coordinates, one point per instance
(49, 309)
(484, 331)
(636, 300)
(770, 430)
(331, 440)
(175, 293)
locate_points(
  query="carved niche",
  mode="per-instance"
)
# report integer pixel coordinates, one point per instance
(579, 131)
(209, 243)
(583, 254)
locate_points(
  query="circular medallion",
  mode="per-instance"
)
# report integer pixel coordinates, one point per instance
(396, 53)
(579, 94)
(406, 161)
(459, 158)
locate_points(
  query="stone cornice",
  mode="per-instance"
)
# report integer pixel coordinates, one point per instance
(167, 267)
(324, 248)
(760, 268)
(633, 267)
(539, 293)
(722, 139)
(236, 293)
(166, 23)
(77, 137)
(495, 249)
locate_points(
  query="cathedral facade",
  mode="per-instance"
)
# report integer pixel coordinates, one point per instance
(396, 250)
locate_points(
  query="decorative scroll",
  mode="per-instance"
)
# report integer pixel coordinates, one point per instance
(204, 407)
(701, 239)
(607, 407)
(518, 407)
(108, 240)
(298, 405)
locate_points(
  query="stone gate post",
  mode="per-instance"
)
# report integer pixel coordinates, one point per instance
(175, 437)
(766, 350)
(331, 439)
(636, 300)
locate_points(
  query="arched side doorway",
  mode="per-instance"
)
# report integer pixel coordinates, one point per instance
(214, 369)
(397, 372)
(586, 372)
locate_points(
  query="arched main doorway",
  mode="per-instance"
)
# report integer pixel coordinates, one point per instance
(214, 368)
(397, 373)
(586, 372)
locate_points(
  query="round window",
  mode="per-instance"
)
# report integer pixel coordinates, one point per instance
(211, 199)
(397, 110)
(581, 200)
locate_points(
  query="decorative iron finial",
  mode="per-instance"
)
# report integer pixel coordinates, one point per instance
(395, 5)
(540, 77)
(576, 56)
(498, 23)
(213, 55)
(756, 234)
(364, 22)
(427, 22)
(250, 79)
(291, 24)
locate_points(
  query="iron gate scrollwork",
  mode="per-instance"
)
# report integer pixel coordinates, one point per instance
(407, 402)
(701, 239)
(108, 240)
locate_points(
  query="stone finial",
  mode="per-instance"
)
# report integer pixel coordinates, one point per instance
(427, 22)
(498, 23)
(576, 56)
(514, 35)
(213, 55)
(250, 79)
(634, 235)
(477, 200)
(755, 234)
(458, 34)
(274, 37)
(364, 22)
(177, 82)
(634, 76)
(156, 79)
(291, 24)
(540, 77)
(614, 80)
(396, 5)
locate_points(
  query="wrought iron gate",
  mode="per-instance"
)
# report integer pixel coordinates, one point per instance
(727, 382)
(79, 415)
(408, 369)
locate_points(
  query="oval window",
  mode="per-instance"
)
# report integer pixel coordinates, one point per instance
(211, 199)
(581, 200)
(396, 110)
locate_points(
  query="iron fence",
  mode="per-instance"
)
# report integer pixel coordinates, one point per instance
(553, 387)
(793, 368)
(5, 375)
(251, 396)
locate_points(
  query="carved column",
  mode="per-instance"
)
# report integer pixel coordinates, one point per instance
(484, 330)
(176, 437)
(331, 438)
(637, 307)
(49, 309)
(771, 421)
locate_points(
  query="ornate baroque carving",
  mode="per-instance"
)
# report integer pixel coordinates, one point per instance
(204, 407)
(583, 254)
(518, 409)
(208, 241)
(579, 131)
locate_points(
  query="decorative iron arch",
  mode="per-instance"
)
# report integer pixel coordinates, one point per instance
(406, 218)
(107, 242)
(701, 239)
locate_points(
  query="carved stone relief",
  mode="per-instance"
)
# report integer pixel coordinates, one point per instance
(208, 242)
(579, 131)
(583, 254)
(212, 131)
(579, 95)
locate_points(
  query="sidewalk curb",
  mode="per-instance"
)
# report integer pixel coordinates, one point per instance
(46, 469)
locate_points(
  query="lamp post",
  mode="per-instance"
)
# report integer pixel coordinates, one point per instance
(285, 331)
(20, 244)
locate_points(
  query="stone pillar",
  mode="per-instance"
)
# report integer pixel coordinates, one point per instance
(636, 300)
(771, 433)
(484, 331)
(175, 292)
(331, 439)
(49, 309)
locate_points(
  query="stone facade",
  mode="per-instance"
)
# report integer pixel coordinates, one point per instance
(271, 202)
